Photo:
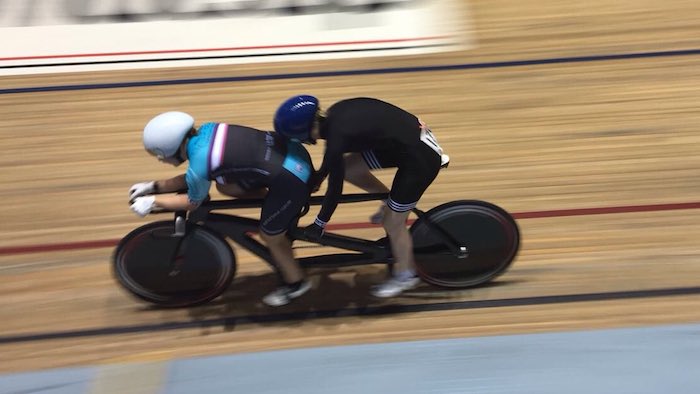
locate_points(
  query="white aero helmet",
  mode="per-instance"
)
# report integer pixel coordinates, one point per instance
(163, 134)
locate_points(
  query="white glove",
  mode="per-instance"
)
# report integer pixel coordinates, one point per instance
(141, 189)
(142, 206)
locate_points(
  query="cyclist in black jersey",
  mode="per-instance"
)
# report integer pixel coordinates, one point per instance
(244, 162)
(364, 134)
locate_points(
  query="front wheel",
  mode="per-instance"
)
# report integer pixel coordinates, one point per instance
(488, 235)
(171, 270)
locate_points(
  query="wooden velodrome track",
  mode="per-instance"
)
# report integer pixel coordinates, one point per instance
(542, 140)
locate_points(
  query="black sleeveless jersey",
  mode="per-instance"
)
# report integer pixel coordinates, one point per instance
(250, 158)
(356, 125)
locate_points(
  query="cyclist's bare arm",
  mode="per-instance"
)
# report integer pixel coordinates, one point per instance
(171, 185)
(173, 202)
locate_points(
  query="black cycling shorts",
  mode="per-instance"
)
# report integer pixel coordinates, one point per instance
(286, 196)
(417, 166)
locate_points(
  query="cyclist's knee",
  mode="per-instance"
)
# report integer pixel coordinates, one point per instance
(274, 238)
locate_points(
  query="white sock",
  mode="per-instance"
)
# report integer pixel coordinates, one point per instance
(405, 275)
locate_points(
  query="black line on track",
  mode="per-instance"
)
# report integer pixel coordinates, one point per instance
(379, 310)
(336, 73)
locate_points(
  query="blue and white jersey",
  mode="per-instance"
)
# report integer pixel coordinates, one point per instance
(237, 154)
(197, 175)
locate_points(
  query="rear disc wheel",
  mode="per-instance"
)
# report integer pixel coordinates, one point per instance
(488, 233)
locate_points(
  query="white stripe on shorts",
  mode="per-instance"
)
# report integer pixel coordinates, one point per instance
(371, 160)
(398, 207)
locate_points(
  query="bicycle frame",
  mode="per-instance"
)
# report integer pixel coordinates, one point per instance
(457, 244)
(239, 230)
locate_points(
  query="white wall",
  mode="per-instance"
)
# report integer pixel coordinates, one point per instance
(55, 32)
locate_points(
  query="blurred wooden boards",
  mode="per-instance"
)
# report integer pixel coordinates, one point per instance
(529, 138)
(562, 258)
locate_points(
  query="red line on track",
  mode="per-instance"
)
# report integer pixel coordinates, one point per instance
(26, 249)
(244, 48)
(105, 243)
(606, 210)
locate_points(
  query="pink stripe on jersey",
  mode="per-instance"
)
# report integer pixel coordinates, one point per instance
(217, 150)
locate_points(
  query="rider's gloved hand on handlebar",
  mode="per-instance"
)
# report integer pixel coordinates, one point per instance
(141, 189)
(142, 206)
(313, 231)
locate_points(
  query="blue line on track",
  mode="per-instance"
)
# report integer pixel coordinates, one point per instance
(337, 73)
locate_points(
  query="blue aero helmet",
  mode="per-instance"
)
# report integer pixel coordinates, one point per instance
(295, 118)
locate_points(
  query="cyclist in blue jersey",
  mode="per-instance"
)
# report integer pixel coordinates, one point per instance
(244, 163)
(363, 134)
